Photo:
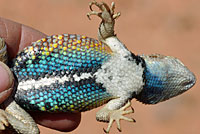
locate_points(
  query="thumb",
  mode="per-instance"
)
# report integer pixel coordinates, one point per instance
(6, 82)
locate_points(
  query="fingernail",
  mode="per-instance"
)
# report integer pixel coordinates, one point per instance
(5, 94)
(6, 82)
(6, 77)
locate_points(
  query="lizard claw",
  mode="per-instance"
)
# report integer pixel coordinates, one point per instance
(117, 115)
(99, 5)
(93, 3)
(93, 13)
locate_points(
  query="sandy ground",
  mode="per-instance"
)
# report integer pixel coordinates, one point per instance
(170, 27)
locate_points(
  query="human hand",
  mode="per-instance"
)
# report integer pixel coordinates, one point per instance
(18, 36)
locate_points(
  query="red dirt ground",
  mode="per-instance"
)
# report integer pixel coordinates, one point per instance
(170, 27)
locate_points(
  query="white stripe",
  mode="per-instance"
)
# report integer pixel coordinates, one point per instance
(26, 85)
(83, 76)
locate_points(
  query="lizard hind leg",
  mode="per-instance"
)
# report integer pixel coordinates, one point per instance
(3, 120)
(3, 51)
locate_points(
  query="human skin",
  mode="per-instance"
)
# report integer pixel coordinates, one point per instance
(17, 36)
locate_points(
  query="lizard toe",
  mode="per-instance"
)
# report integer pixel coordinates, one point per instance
(3, 120)
(118, 114)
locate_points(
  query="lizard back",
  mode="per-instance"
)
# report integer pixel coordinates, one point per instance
(55, 74)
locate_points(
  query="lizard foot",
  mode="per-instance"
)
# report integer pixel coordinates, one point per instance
(3, 51)
(106, 28)
(117, 115)
(3, 120)
(104, 8)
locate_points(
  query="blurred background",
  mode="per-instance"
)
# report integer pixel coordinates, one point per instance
(170, 27)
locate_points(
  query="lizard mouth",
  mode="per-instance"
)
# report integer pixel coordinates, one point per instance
(189, 82)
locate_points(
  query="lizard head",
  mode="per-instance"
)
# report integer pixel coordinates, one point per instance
(165, 77)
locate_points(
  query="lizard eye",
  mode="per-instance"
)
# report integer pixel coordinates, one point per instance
(177, 60)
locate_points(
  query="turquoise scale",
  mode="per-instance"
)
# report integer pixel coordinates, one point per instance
(58, 53)
(59, 56)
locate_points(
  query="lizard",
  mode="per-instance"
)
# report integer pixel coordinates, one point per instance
(75, 73)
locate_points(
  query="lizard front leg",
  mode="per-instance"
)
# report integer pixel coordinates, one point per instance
(114, 110)
(106, 27)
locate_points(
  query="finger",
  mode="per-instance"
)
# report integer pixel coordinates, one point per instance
(17, 36)
(59, 121)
